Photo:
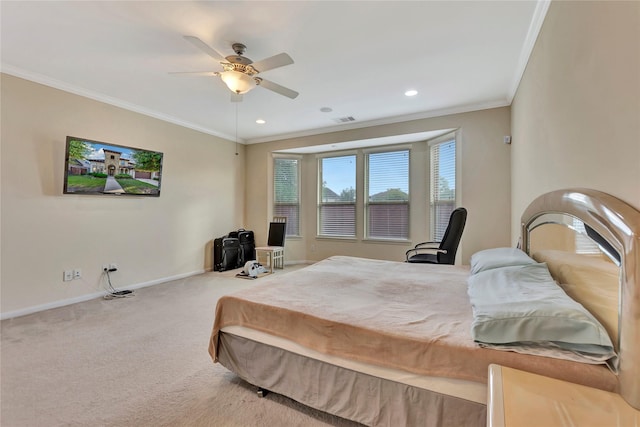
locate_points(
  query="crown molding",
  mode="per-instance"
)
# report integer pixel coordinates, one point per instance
(385, 121)
(96, 96)
(529, 43)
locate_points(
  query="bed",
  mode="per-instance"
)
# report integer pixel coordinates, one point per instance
(390, 343)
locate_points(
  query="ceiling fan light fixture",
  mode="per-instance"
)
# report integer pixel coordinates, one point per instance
(238, 82)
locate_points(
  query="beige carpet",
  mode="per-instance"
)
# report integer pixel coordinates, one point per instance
(139, 361)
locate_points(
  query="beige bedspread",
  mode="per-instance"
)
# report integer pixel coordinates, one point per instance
(413, 317)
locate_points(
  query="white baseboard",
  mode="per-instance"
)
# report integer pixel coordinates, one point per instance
(82, 298)
(299, 262)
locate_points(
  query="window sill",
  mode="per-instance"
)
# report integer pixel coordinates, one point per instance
(368, 241)
(341, 238)
(388, 241)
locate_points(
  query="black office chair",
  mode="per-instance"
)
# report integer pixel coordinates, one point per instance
(443, 252)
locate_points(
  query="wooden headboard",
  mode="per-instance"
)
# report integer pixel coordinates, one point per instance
(617, 225)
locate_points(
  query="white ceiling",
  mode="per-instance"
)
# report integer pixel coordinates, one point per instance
(355, 57)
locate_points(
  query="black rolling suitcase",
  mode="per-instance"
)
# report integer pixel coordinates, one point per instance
(226, 252)
(247, 246)
(217, 253)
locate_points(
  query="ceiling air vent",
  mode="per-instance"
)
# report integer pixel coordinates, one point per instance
(346, 119)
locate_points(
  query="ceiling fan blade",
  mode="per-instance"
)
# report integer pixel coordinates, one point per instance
(195, 73)
(277, 88)
(236, 97)
(270, 63)
(205, 48)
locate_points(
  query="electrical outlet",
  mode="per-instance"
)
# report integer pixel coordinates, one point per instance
(105, 267)
(113, 266)
(77, 273)
(68, 275)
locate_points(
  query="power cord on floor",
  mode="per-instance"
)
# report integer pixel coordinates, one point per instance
(113, 292)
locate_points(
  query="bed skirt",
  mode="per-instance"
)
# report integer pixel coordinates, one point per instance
(343, 392)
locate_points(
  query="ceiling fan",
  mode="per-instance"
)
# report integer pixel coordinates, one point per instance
(240, 73)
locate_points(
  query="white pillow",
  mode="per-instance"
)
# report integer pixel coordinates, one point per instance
(498, 257)
(523, 304)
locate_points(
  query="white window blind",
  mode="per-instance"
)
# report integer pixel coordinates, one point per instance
(286, 184)
(337, 196)
(443, 186)
(387, 205)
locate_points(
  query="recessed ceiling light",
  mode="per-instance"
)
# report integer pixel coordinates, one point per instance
(260, 121)
(326, 109)
(411, 92)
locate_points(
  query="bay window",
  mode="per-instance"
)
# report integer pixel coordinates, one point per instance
(286, 184)
(337, 196)
(443, 184)
(387, 202)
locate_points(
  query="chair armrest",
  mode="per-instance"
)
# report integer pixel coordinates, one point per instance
(430, 245)
(422, 250)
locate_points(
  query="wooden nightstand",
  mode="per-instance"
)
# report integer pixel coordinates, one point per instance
(521, 399)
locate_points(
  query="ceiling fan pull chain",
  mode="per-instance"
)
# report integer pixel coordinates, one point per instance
(236, 129)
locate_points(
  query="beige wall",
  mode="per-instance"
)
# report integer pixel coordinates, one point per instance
(575, 121)
(484, 186)
(576, 114)
(45, 232)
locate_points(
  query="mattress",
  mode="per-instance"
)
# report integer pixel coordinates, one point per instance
(398, 316)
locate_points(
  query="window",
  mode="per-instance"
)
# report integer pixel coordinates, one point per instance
(337, 196)
(584, 244)
(286, 184)
(443, 184)
(387, 203)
